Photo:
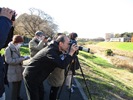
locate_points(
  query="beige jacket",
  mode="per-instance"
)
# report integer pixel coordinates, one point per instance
(56, 78)
(13, 58)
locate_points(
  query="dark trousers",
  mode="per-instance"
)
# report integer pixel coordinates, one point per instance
(34, 90)
(15, 90)
(2, 89)
(53, 93)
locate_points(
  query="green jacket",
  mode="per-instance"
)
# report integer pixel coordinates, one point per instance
(35, 46)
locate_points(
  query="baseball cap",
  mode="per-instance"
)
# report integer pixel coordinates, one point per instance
(38, 33)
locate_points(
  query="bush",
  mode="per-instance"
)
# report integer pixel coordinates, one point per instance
(109, 52)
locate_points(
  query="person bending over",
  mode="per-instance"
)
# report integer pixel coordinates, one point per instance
(56, 78)
(44, 62)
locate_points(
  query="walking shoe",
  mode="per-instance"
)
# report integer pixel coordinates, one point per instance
(74, 86)
(72, 90)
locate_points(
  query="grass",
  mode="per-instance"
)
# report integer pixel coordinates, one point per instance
(128, 46)
(105, 81)
(122, 58)
(2, 51)
(23, 51)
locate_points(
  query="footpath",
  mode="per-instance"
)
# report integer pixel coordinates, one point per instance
(78, 93)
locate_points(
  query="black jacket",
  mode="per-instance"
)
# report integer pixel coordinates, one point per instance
(44, 62)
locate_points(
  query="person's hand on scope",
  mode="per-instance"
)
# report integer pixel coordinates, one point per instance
(6, 12)
(73, 48)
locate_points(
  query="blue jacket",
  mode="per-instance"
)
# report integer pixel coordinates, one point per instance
(5, 25)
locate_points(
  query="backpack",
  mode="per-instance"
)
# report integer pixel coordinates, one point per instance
(6, 69)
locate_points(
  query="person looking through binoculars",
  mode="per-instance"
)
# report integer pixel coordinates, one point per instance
(37, 43)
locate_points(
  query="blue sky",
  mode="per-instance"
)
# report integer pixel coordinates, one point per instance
(89, 18)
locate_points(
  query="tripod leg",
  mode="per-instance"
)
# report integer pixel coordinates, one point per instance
(68, 79)
(70, 83)
(85, 82)
(53, 93)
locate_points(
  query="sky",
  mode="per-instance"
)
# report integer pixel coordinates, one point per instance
(88, 18)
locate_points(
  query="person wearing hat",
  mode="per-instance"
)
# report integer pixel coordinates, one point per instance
(37, 43)
(15, 69)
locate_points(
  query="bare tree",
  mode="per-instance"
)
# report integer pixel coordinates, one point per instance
(28, 24)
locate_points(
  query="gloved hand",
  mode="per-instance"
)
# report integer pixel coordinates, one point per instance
(26, 57)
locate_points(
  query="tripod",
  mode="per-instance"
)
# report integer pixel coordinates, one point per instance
(69, 67)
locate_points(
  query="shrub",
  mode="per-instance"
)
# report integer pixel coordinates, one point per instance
(109, 52)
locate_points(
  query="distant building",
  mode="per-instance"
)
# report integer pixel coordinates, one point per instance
(108, 36)
(121, 39)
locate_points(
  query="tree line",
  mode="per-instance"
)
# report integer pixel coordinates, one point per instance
(27, 24)
(125, 34)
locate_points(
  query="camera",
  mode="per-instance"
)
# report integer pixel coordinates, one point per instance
(79, 47)
(13, 16)
(48, 38)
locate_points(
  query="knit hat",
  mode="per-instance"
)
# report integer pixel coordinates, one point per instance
(17, 39)
(38, 33)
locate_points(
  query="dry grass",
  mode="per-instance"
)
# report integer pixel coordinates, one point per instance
(123, 75)
(100, 51)
(122, 63)
(105, 83)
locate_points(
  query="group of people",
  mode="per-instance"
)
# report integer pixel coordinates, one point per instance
(48, 60)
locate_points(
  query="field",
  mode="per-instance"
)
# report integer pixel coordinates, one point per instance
(119, 48)
(106, 80)
(126, 46)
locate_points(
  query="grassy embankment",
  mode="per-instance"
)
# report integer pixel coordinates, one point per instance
(126, 46)
(106, 81)
(119, 48)
(123, 49)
